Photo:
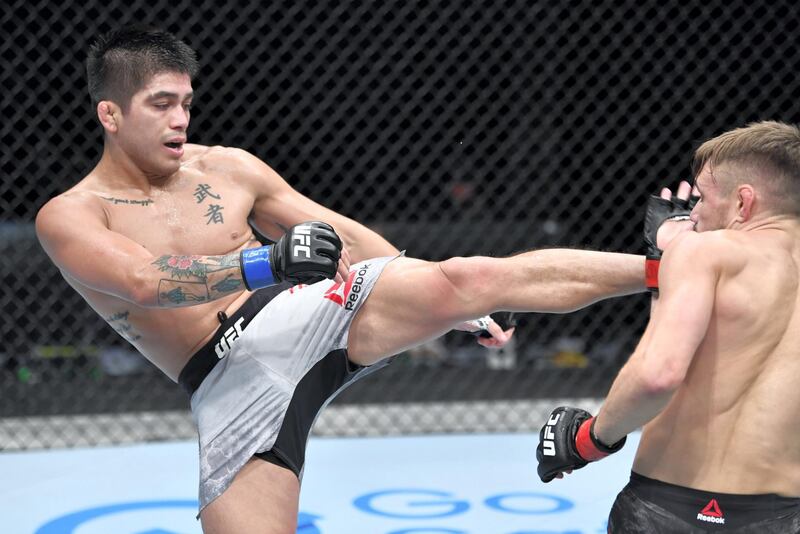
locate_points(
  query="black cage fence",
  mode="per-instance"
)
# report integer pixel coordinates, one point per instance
(451, 127)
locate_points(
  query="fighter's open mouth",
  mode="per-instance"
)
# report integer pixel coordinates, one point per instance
(174, 145)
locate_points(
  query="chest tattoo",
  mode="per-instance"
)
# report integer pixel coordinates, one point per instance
(129, 201)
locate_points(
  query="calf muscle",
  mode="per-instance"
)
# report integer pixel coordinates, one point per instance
(549, 280)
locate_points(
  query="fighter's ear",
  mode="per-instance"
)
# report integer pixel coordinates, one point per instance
(745, 202)
(109, 113)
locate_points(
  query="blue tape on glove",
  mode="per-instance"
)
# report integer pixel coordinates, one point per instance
(256, 268)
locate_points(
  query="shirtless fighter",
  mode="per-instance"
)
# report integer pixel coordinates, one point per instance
(714, 377)
(156, 239)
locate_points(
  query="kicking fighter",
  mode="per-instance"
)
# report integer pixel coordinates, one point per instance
(156, 239)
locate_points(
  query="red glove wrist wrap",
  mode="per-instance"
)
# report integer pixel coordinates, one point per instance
(586, 445)
(651, 266)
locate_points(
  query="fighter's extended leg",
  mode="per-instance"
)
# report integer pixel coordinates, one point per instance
(414, 301)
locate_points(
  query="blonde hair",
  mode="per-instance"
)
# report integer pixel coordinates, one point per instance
(765, 154)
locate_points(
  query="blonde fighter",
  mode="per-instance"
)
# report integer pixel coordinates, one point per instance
(714, 377)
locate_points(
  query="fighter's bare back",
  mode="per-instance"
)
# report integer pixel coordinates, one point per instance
(731, 426)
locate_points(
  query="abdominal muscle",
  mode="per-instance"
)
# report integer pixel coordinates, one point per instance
(728, 433)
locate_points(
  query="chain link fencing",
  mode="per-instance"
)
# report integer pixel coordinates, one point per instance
(451, 127)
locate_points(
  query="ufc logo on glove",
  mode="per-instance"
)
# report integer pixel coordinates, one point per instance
(548, 439)
(302, 233)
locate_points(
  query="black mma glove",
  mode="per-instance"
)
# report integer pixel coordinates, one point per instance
(567, 442)
(306, 253)
(658, 211)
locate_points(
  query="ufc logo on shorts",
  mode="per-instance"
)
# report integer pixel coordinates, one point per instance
(302, 235)
(223, 347)
(548, 443)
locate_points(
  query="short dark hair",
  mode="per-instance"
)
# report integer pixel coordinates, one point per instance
(766, 151)
(122, 61)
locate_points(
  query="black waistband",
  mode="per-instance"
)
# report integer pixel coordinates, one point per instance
(671, 496)
(204, 360)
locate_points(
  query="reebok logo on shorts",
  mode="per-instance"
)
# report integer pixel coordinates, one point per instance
(711, 513)
(347, 294)
(338, 292)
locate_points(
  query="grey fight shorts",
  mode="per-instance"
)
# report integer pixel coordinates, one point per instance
(260, 382)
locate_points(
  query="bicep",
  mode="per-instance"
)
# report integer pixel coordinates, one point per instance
(278, 206)
(286, 207)
(83, 248)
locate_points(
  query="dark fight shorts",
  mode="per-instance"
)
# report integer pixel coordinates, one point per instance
(654, 507)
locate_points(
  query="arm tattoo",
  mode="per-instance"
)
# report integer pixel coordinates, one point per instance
(169, 291)
(193, 279)
(119, 322)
